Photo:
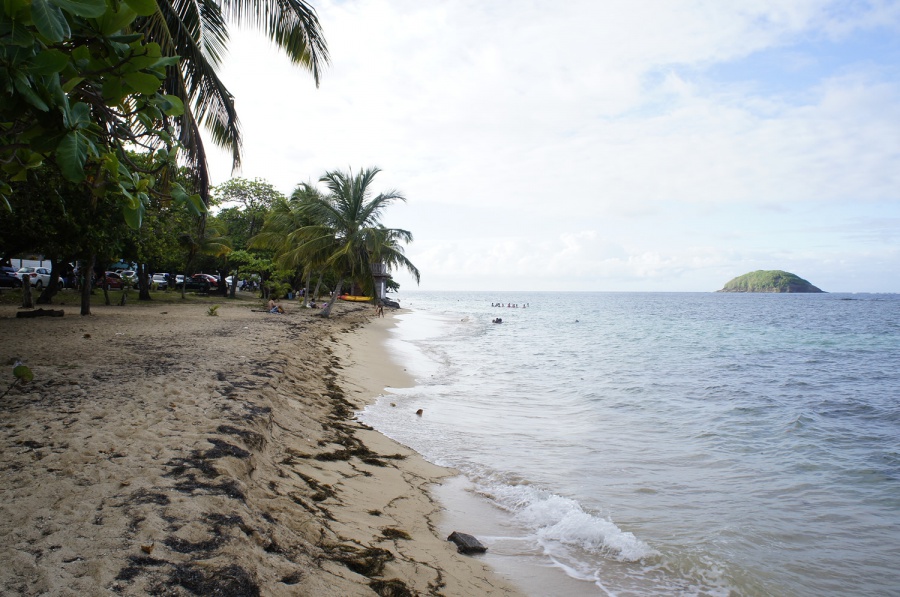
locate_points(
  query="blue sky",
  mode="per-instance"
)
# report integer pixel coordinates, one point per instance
(655, 145)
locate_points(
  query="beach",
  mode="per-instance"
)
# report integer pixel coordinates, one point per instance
(163, 450)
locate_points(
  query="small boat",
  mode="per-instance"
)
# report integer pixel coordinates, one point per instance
(358, 299)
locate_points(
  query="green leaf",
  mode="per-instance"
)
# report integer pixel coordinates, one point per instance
(172, 106)
(81, 53)
(90, 9)
(113, 22)
(112, 90)
(13, 7)
(80, 116)
(71, 83)
(143, 7)
(126, 38)
(50, 20)
(143, 82)
(71, 154)
(48, 62)
(16, 34)
(23, 86)
(195, 203)
(22, 372)
(133, 216)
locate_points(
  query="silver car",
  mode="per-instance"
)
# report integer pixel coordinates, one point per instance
(160, 280)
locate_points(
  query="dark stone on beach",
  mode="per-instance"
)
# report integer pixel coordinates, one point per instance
(466, 543)
(41, 313)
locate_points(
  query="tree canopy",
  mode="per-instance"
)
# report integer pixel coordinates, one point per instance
(78, 89)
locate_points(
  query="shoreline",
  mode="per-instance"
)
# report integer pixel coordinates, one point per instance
(163, 451)
(368, 368)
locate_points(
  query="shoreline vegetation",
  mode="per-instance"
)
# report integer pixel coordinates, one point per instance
(162, 450)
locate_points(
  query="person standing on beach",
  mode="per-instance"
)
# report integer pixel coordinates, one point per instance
(379, 309)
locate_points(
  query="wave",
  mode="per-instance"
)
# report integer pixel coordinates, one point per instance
(556, 521)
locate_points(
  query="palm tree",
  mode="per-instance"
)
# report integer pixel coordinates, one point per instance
(197, 32)
(340, 231)
(352, 218)
(286, 231)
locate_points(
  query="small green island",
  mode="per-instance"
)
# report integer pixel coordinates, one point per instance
(769, 281)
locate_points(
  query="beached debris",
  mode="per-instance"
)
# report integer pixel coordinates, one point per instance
(229, 581)
(395, 533)
(466, 543)
(369, 561)
(391, 588)
(41, 313)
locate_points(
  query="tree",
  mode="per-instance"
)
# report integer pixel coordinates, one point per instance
(249, 203)
(197, 32)
(342, 230)
(78, 89)
(284, 234)
(206, 240)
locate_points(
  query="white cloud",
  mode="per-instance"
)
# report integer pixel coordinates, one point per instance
(585, 144)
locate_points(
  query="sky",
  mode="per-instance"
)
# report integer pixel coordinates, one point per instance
(624, 145)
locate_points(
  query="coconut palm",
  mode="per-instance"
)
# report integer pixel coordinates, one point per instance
(354, 218)
(197, 32)
(340, 231)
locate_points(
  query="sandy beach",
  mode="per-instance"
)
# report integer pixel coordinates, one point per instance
(160, 450)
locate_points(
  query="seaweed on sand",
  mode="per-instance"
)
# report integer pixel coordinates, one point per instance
(228, 581)
(391, 588)
(367, 562)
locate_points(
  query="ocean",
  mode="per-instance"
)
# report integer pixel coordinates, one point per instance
(661, 443)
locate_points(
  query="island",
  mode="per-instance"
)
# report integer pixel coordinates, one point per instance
(769, 281)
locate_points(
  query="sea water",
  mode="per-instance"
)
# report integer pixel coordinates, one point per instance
(662, 443)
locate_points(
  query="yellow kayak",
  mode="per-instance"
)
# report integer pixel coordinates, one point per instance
(358, 299)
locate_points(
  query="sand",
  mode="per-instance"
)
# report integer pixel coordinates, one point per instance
(160, 450)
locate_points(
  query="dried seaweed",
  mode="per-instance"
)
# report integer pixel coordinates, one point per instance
(391, 588)
(230, 581)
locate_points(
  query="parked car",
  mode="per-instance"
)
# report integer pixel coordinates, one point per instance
(130, 275)
(196, 282)
(39, 276)
(9, 277)
(161, 281)
(213, 280)
(114, 280)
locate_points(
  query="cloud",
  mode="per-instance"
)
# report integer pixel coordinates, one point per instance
(588, 143)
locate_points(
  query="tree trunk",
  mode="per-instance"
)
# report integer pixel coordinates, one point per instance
(326, 312)
(143, 285)
(27, 296)
(87, 271)
(234, 281)
(222, 288)
(306, 290)
(53, 287)
(315, 294)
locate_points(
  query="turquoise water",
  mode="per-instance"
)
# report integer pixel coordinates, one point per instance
(660, 444)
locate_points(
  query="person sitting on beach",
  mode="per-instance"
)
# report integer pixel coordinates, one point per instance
(275, 307)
